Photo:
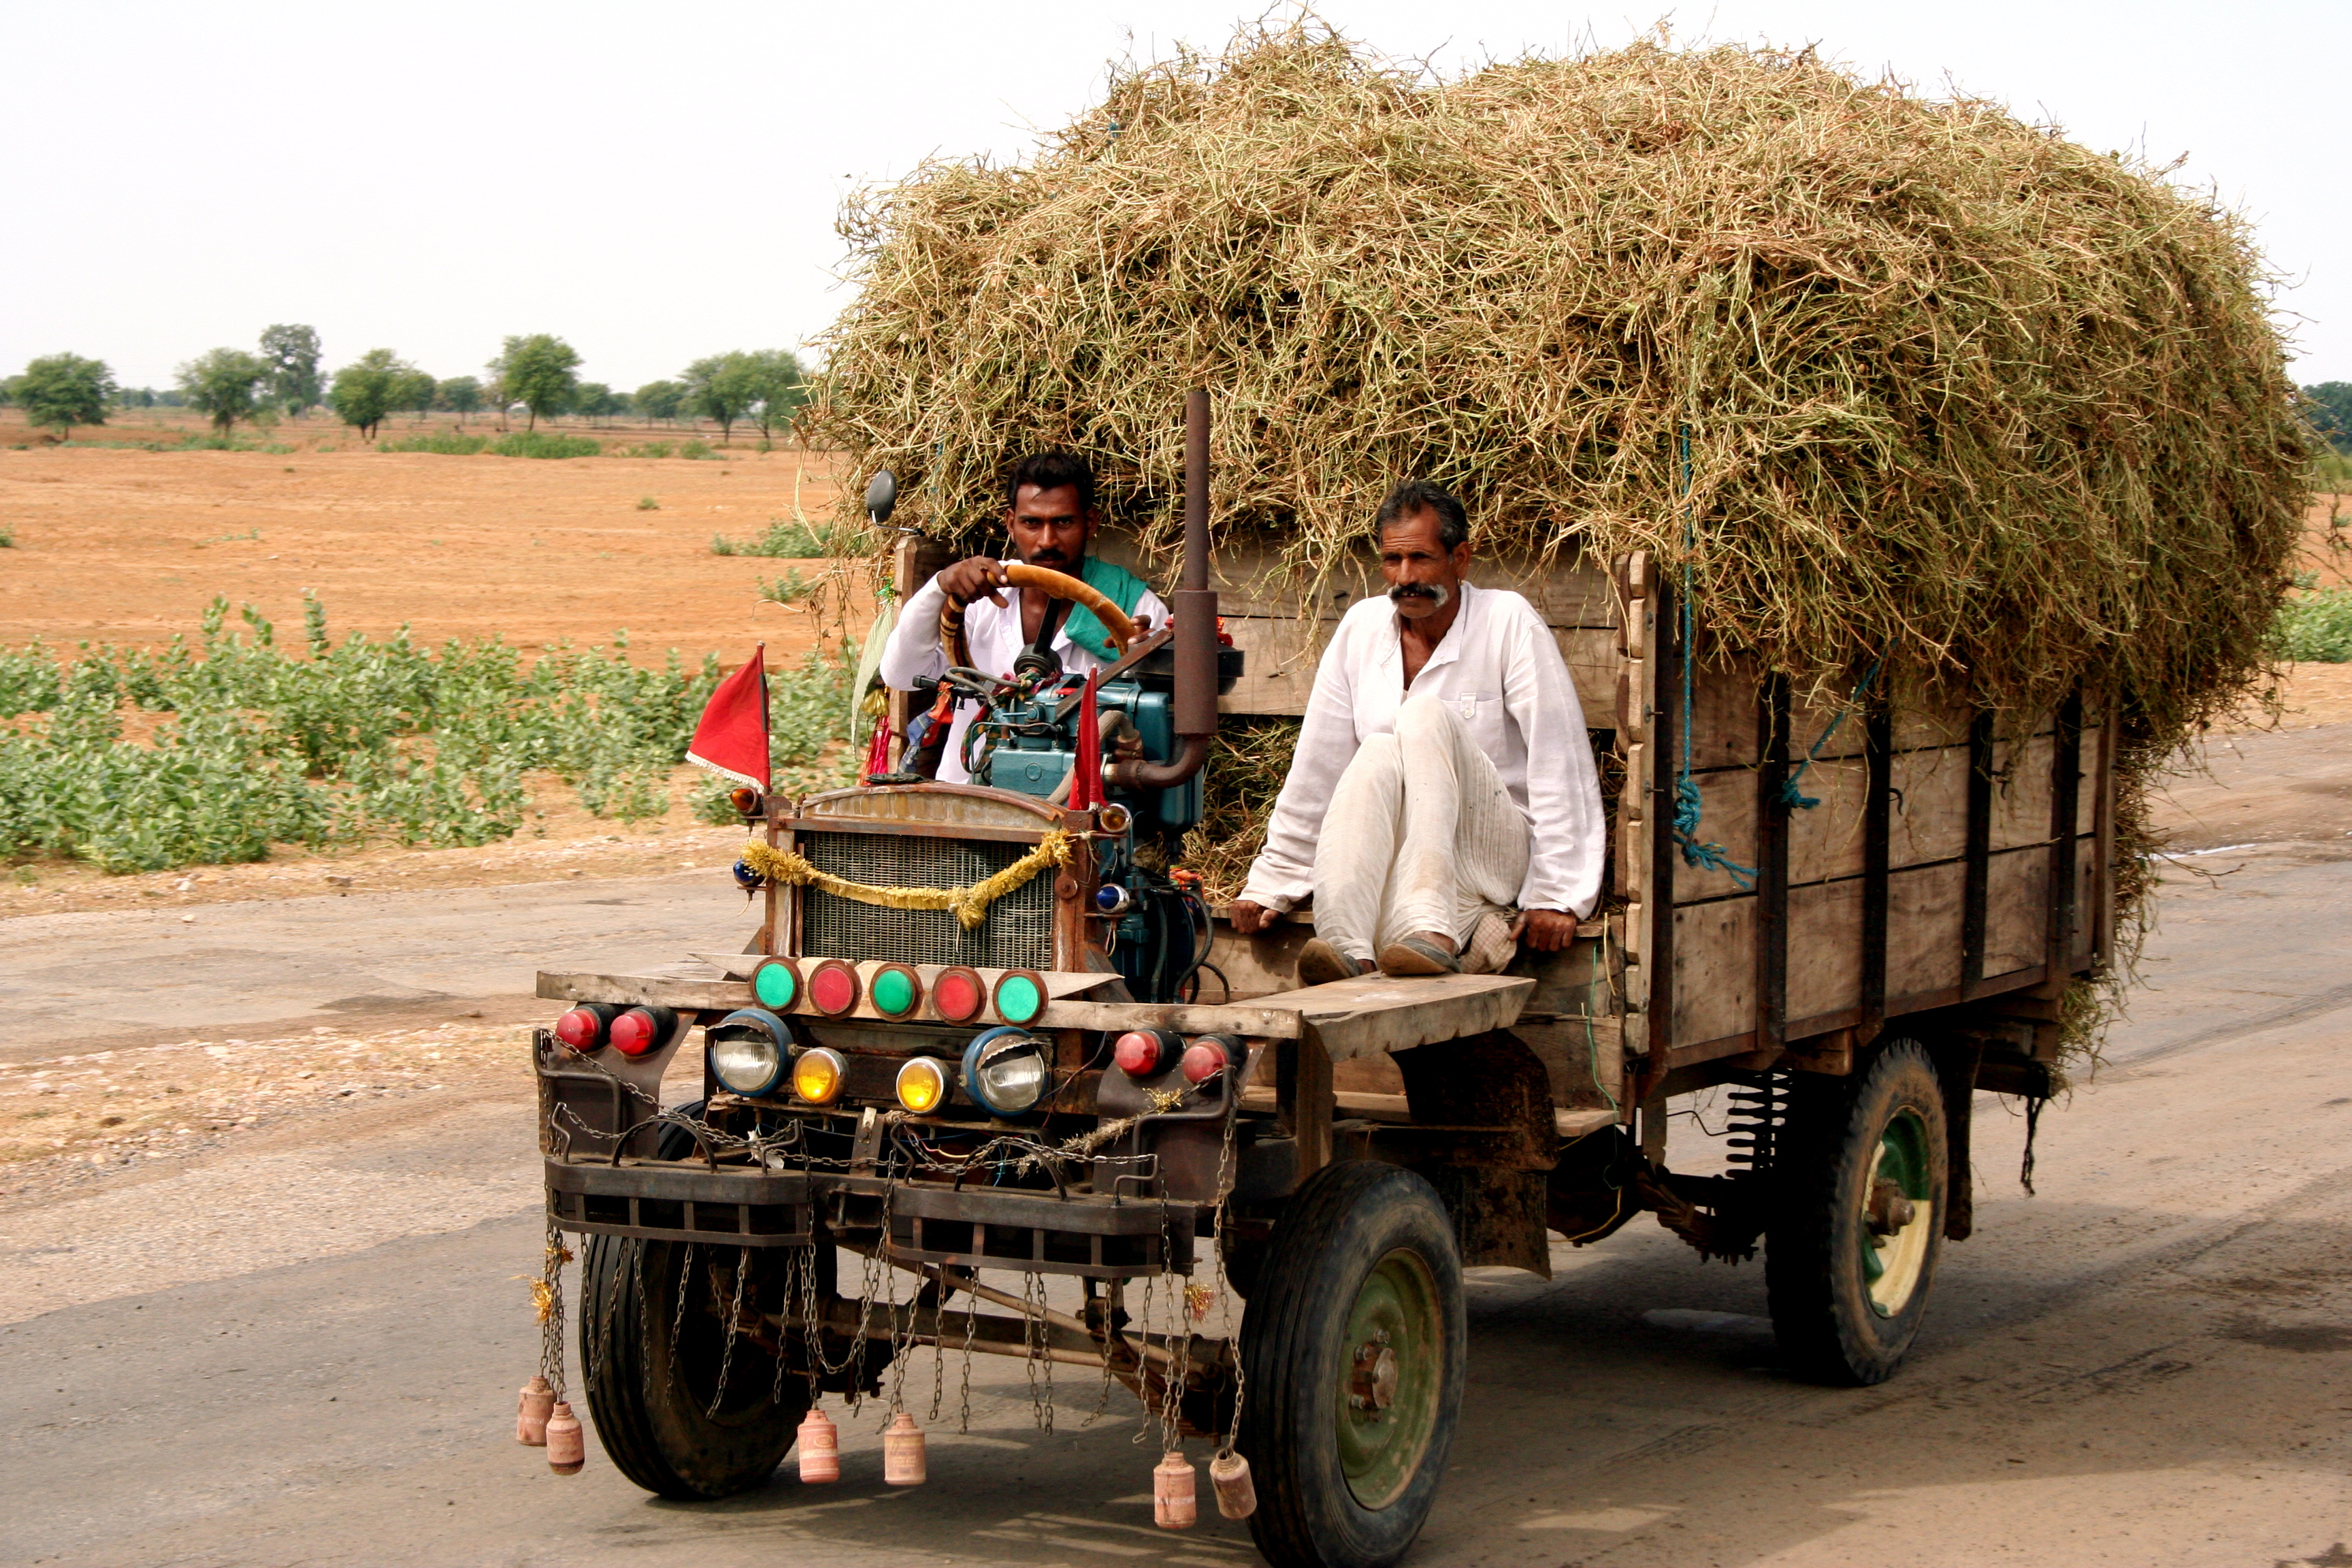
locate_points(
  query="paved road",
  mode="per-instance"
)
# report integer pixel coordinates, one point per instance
(2145, 1363)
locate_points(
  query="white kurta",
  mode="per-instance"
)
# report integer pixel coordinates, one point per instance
(914, 661)
(1499, 669)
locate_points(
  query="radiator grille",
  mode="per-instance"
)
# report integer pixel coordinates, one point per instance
(1017, 934)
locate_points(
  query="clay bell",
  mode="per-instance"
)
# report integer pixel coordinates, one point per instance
(566, 1450)
(533, 1407)
(1175, 1501)
(903, 1463)
(1228, 1474)
(820, 1447)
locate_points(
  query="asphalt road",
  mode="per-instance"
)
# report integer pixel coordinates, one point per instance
(2148, 1363)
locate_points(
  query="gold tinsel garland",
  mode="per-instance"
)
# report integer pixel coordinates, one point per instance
(970, 904)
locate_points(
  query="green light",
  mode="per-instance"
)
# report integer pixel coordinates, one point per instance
(1018, 1000)
(774, 985)
(894, 992)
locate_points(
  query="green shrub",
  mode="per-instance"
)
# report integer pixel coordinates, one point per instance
(698, 450)
(447, 443)
(782, 541)
(789, 589)
(651, 449)
(2335, 474)
(543, 444)
(2316, 628)
(647, 504)
(7, 537)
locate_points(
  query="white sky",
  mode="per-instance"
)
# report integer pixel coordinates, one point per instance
(660, 182)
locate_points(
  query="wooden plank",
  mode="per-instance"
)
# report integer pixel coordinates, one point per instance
(2065, 794)
(2022, 772)
(1250, 580)
(1924, 915)
(1728, 807)
(1825, 841)
(1715, 970)
(683, 994)
(1930, 817)
(1877, 808)
(1280, 654)
(1725, 727)
(1772, 866)
(1658, 879)
(1351, 1018)
(2016, 910)
(1824, 949)
(1978, 844)
(1303, 1090)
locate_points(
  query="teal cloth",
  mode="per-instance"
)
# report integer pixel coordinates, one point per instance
(1117, 584)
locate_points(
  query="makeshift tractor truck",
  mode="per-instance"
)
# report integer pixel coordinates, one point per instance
(968, 1048)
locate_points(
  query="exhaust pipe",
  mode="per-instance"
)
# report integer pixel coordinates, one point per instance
(1195, 607)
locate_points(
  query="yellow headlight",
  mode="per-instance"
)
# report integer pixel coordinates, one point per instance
(922, 1084)
(818, 1076)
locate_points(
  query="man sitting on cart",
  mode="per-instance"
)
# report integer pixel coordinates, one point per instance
(1050, 513)
(1442, 799)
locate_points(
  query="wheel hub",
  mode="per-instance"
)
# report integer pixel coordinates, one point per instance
(1890, 1208)
(1374, 1385)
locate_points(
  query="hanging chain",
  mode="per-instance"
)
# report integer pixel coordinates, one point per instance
(734, 1320)
(547, 1299)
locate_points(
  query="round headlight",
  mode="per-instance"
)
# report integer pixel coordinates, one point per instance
(819, 1076)
(922, 1085)
(746, 1050)
(1005, 1071)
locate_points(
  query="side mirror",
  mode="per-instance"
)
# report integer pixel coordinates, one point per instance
(882, 496)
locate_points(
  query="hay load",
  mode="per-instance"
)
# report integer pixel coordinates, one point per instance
(1886, 380)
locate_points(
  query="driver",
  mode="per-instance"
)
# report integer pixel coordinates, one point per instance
(1050, 513)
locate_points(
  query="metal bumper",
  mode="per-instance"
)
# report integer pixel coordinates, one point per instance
(1099, 1235)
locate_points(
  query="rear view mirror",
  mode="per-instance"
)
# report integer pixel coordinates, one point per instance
(882, 496)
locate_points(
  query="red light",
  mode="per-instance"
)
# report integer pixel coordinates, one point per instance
(1205, 1060)
(1139, 1053)
(636, 1031)
(580, 1029)
(957, 995)
(834, 988)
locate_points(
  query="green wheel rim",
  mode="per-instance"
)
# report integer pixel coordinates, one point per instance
(1892, 1263)
(1393, 1362)
(774, 986)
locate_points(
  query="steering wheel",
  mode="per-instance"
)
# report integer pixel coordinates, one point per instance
(1059, 585)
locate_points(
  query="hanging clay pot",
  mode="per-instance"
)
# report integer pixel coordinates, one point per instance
(820, 1447)
(566, 1450)
(533, 1408)
(1229, 1473)
(903, 1463)
(1175, 1501)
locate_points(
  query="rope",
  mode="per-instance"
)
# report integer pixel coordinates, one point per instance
(1789, 794)
(968, 904)
(1696, 852)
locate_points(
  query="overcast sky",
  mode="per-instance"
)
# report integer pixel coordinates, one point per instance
(660, 182)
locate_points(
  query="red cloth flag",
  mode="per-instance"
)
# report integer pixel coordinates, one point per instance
(732, 739)
(1085, 788)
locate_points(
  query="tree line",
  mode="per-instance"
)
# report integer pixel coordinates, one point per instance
(536, 372)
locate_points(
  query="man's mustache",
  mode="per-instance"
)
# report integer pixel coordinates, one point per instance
(1436, 593)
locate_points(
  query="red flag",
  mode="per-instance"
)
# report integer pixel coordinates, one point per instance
(1085, 789)
(732, 739)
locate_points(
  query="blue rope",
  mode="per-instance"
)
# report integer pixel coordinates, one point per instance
(1707, 856)
(1789, 794)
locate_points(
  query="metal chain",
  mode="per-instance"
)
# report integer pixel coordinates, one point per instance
(734, 1318)
(549, 1294)
(677, 1322)
(971, 1325)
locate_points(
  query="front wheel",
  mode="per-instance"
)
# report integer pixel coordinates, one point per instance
(1857, 1222)
(1354, 1347)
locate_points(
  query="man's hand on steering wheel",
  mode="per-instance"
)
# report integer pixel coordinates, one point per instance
(977, 578)
(1546, 931)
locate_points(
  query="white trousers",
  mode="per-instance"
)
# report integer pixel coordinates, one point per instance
(1420, 836)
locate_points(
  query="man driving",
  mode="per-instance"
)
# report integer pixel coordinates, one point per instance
(1050, 513)
(1442, 800)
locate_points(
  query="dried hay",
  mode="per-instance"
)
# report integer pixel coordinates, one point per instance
(1882, 377)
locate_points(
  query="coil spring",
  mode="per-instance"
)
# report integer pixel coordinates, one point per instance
(1759, 1108)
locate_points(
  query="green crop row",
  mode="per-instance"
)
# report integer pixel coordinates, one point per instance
(360, 740)
(2316, 626)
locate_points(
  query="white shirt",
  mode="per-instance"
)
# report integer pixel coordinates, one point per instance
(914, 661)
(1499, 667)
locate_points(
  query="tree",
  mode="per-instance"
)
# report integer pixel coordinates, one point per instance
(461, 395)
(776, 377)
(224, 385)
(594, 400)
(62, 391)
(367, 389)
(2332, 416)
(292, 354)
(723, 388)
(415, 391)
(537, 372)
(660, 399)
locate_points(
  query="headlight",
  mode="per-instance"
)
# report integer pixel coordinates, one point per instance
(746, 1050)
(819, 1075)
(922, 1085)
(1005, 1070)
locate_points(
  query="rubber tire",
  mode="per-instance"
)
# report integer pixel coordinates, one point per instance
(1821, 1314)
(1339, 1224)
(664, 1441)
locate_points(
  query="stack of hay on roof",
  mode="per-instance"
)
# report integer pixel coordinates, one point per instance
(1883, 377)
